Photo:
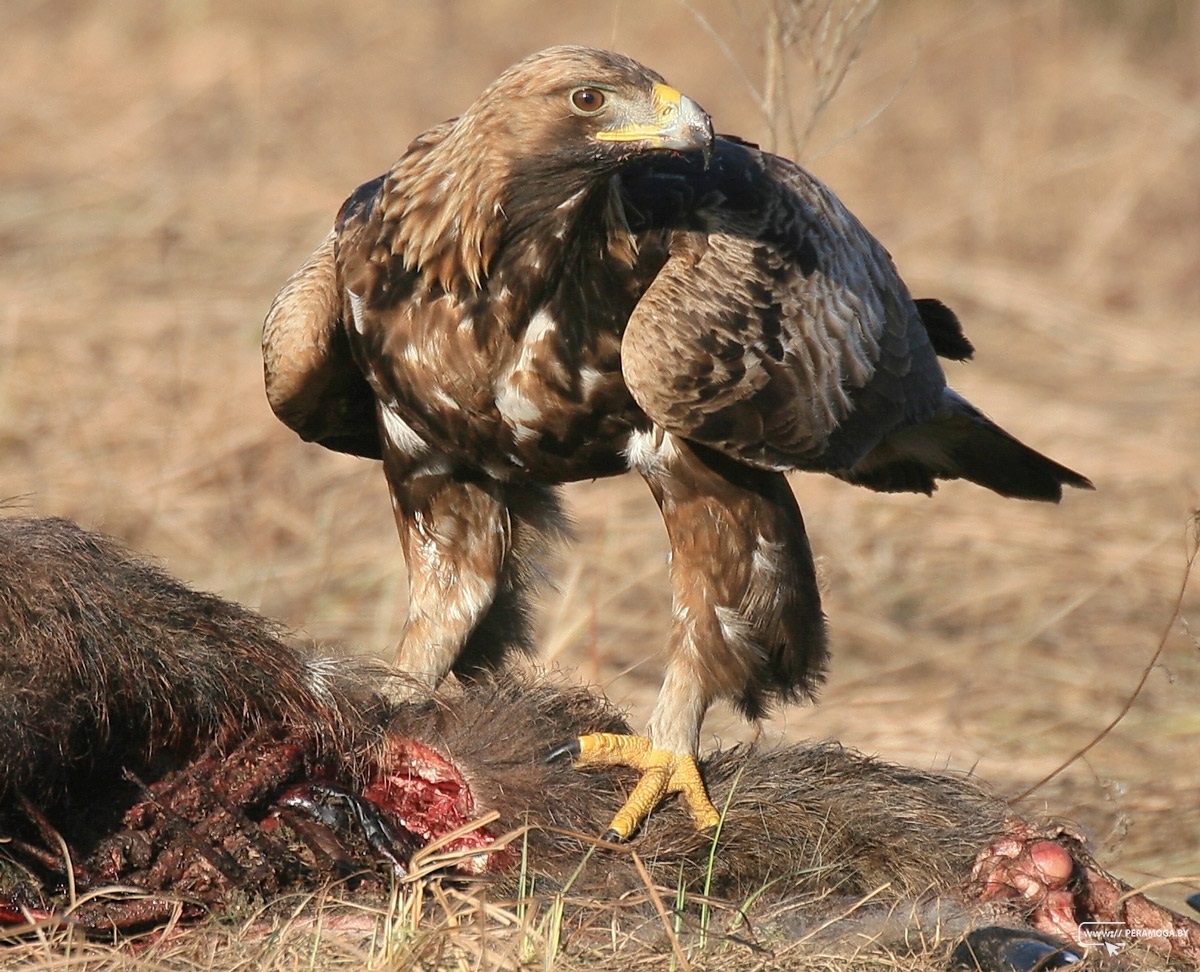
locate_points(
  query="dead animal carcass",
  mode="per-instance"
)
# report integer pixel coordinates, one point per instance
(175, 742)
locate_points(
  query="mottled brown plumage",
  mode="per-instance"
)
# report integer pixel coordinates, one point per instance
(576, 278)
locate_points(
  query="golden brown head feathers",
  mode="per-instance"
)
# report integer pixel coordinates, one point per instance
(548, 128)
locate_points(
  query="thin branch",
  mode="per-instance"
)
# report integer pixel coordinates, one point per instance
(1193, 550)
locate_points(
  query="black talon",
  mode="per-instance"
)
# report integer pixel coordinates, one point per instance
(572, 749)
(1194, 901)
(611, 837)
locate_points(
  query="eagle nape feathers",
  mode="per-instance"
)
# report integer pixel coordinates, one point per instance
(576, 278)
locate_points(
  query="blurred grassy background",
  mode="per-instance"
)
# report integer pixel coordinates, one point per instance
(165, 164)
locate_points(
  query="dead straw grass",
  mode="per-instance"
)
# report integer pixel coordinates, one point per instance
(425, 925)
(163, 167)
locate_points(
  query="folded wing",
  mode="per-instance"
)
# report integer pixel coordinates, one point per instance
(313, 384)
(779, 333)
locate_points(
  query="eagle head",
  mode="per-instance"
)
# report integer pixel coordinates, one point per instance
(587, 108)
(550, 128)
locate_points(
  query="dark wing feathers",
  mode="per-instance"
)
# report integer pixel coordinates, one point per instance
(356, 208)
(778, 331)
(780, 334)
(960, 442)
(944, 330)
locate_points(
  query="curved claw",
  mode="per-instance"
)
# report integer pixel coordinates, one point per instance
(572, 749)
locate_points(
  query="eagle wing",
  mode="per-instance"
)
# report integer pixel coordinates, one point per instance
(778, 331)
(313, 383)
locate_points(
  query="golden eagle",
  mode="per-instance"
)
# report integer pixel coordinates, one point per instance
(575, 278)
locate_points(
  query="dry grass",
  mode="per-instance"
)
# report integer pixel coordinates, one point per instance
(437, 929)
(164, 166)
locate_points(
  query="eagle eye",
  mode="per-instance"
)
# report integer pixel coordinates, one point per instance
(587, 101)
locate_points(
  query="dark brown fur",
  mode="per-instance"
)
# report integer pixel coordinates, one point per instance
(110, 667)
(810, 818)
(110, 664)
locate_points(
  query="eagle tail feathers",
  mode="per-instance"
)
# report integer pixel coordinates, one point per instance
(960, 442)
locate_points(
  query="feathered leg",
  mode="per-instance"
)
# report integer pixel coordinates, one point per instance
(472, 549)
(747, 623)
(536, 526)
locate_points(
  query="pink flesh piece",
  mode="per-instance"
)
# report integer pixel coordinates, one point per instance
(427, 795)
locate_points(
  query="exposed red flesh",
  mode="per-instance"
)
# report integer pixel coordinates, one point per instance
(428, 796)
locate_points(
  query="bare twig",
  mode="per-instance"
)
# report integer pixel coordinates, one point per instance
(1193, 549)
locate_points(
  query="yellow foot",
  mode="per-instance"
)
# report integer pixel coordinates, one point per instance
(663, 772)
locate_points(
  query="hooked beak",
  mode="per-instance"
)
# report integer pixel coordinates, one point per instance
(679, 125)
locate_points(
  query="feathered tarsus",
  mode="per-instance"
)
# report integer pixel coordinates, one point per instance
(575, 278)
